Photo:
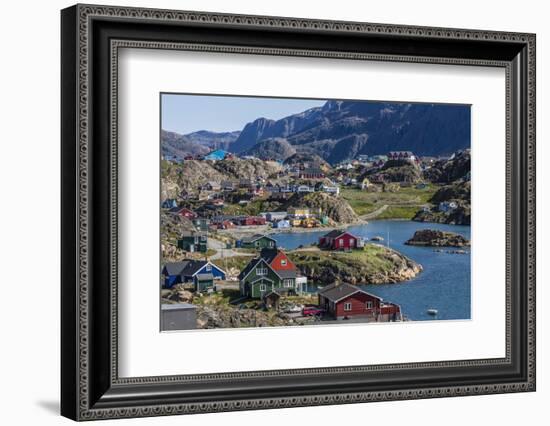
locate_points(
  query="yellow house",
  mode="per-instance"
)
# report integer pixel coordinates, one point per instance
(298, 212)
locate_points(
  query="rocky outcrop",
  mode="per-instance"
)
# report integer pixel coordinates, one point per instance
(401, 171)
(190, 175)
(336, 208)
(436, 238)
(461, 215)
(447, 171)
(375, 265)
(457, 193)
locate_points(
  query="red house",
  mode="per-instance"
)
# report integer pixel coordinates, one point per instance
(184, 212)
(346, 301)
(251, 221)
(340, 240)
(277, 259)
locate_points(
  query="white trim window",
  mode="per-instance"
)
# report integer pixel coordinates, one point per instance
(347, 306)
(287, 283)
(283, 262)
(263, 287)
(208, 267)
(341, 242)
(368, 305)
(261, 271)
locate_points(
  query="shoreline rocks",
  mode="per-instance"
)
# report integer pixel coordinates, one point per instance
(436, 238)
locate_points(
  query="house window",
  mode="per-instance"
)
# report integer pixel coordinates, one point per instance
(208, 267)
(351, 242)
(368, 305)
(283, 262)
(341, 243)
(203, 237)
(271, 244)
(263, 287)
(287, 283)
(261, 271)
(347, 306)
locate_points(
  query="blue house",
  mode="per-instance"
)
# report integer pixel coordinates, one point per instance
(201, 273)
(216, 155)
(169, 203)
(281, 224)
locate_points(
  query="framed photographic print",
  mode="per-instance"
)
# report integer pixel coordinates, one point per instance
(263, 212)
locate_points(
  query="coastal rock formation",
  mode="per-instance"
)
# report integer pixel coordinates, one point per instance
(436, 238)
(374, 265)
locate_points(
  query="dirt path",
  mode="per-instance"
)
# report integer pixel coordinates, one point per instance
(375, 213)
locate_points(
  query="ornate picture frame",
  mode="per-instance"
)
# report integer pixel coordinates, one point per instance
(90, 39)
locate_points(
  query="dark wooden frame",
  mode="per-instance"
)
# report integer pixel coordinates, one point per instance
(91, 388)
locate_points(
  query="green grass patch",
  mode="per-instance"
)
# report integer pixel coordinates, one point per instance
(403, 204)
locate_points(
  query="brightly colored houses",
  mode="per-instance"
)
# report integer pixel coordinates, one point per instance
(270, 271)
(201, 273)
(340, 240)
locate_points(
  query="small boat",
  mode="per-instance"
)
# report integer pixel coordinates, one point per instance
(432, 311)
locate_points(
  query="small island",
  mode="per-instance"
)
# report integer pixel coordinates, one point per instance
(436, 238)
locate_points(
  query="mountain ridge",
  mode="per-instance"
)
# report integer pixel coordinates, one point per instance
(341, 130)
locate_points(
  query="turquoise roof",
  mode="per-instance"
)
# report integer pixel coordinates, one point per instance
(218, 154)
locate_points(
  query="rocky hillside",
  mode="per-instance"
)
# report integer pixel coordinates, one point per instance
(459, 193)
(336, 208)
(343, 129)
(436, 238)
(376, 264)
(400, 171)
(192, 174)
(274, 148)
(174, 144)
(447, 171)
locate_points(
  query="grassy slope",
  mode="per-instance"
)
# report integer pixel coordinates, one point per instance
(371, 260)
(402, 204)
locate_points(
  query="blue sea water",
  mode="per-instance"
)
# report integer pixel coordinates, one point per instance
(444, 283)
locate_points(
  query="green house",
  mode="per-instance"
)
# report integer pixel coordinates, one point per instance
(258, 241)
(204, 282)
(259, 278)
(193, 241)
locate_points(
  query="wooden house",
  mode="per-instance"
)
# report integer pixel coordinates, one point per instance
(169, 203)
(183, 212)
(258, 241)
(193, 241)
(346, 301)
(201, 273)
(211, 186)
(340, 240)
(268, 272)
(311, 173)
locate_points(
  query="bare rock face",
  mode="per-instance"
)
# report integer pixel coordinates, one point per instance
(436, 238)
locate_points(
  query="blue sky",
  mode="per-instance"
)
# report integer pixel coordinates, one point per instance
(190, 113)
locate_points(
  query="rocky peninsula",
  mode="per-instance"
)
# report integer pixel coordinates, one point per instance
(436, 238)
